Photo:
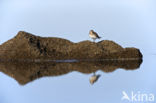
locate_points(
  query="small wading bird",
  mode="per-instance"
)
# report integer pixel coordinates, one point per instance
(93, 35)
(94, 78)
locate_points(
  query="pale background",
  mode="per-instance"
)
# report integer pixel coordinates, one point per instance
(128, 22)
(131, 23)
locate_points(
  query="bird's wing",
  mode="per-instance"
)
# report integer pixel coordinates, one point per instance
(96, 34)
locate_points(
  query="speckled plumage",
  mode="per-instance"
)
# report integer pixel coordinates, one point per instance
(94, 78)
(93, 35)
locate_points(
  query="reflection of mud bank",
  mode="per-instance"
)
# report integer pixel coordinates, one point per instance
(25, 72)
(27, 46)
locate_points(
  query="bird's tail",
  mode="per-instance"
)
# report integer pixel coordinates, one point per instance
(98, 75)
(99, 37)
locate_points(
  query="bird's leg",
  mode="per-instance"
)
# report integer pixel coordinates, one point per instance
(94, 73)
(93, 40)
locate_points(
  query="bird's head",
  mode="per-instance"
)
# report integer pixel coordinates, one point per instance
(91, 31)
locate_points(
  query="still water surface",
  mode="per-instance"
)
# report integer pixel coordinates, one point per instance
(70, 82)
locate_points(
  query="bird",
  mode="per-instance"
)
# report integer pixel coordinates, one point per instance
(93, 35)
(94, 78)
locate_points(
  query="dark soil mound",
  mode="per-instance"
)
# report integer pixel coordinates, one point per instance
(25, 46)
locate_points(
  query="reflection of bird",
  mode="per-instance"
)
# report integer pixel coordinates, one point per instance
(94, 78)
(93, 35)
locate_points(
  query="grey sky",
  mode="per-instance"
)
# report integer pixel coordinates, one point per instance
(128, 22)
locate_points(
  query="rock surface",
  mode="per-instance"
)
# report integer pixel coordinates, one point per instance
(25, 46)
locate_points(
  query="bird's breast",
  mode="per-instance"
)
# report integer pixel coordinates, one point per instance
(92, 36)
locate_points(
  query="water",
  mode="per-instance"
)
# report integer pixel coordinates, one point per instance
(130, 23)
(69, 82)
